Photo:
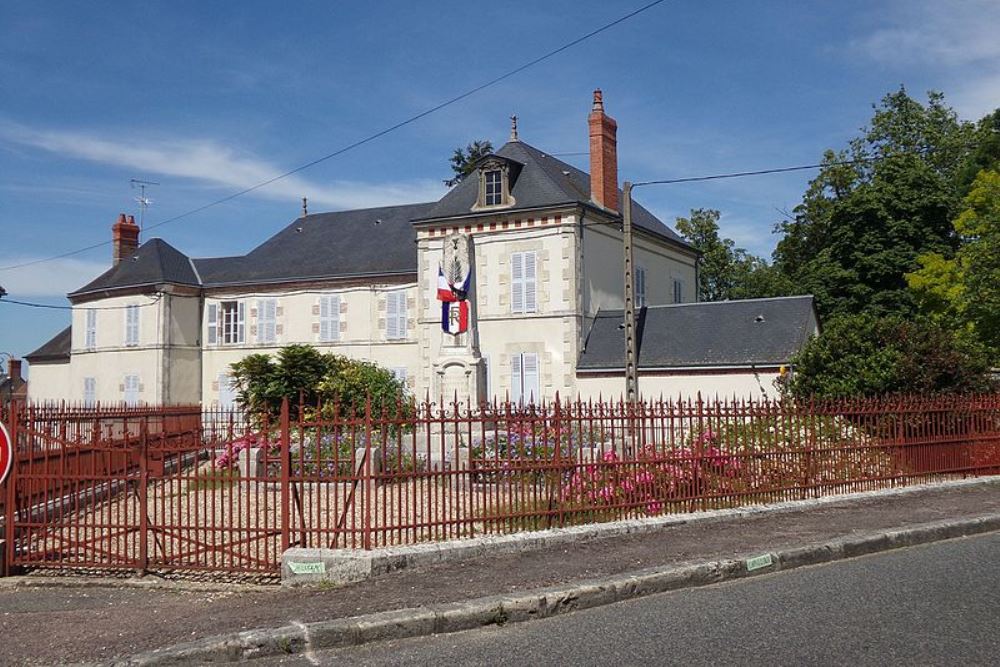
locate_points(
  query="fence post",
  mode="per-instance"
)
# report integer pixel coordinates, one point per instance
(7, 558)
(286, 465)
(367, 538)
(143, 495)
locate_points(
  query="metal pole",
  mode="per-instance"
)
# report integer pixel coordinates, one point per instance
(631, 370)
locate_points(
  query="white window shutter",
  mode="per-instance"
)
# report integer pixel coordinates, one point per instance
(241, 321)
(89, 391)
(267, 315)
(324, 318)
(401, 314)
(517, 282)
(529, 365)
(516, 379)
(390, 315)
(213, 324)
(90, 341)
(529, 282)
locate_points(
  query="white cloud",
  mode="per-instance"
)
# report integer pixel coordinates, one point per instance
(937, 33)
(55, 278)
(956, 40)
(212, 163)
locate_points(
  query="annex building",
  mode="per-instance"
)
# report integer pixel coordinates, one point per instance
(510, 284)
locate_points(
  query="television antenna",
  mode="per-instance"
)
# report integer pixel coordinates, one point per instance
(143, 201)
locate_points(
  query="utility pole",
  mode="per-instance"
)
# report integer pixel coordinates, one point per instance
(631, 369)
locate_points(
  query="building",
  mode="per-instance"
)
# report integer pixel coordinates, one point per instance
(510, 284)
(13, 386)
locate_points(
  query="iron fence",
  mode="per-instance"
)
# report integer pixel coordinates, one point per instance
(187, 489)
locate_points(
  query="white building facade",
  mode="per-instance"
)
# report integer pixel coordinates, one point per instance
(539, 240)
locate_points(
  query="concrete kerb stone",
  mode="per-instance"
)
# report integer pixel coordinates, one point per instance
(542, 603)
(343, 566)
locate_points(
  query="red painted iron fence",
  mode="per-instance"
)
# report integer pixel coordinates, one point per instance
(186, 489)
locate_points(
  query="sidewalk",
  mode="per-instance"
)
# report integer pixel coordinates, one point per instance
(63, 622)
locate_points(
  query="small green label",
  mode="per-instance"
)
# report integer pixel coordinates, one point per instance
(307, 568)
(758, 562)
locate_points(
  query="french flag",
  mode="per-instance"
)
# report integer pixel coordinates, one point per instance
(445, 293)
(455, 316)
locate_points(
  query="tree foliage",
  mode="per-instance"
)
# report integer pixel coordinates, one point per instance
(869, 355)
(262, 382)
(726, 271)
(463, 160)
(963, 291)
(861, 226)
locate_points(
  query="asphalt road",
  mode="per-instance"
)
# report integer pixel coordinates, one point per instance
(932, 605)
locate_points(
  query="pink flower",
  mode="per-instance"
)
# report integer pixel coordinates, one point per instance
(610, 456)
(654, 507)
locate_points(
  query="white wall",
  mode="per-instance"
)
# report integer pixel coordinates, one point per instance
(739, 383)
(49, 382)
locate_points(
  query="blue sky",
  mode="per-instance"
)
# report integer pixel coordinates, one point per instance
(209, 98)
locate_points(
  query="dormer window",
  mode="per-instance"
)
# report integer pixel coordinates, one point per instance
(493, 187)
(495, 182)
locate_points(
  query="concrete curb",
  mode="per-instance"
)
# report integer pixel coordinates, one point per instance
(546, 602)
(343, 566)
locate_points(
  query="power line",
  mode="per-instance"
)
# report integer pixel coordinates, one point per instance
(369, 138)
(48, 306)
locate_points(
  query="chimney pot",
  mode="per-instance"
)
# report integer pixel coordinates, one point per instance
(124, 237)
(603, 155)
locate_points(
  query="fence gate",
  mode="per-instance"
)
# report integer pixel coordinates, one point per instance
(143, 489)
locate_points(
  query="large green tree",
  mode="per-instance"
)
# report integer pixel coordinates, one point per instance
(881, 203)
(726, 271)
(963, 291)
(464, 160)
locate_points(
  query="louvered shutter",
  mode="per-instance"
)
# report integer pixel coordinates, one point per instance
(329, 318)
(267, 313)
(516, 379)
(529, 282)
(390, 315)
(400, 314)
(529, 371)
(241, 320)
(90, 341)
(213, 324)
(517, 282)
(89, 391)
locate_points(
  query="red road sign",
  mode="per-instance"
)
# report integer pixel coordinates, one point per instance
(6, 453)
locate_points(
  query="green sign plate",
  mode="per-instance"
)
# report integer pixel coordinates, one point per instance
(307, 568)
(758, 562)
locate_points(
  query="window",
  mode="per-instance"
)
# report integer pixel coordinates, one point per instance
(213, 324)
(640, 287)
(522, 282)
(227, 392)
(267, 314)
(493, 187)
(400, 374)
(131, 389)
(231, 320)
(90, 337)
(131, 325)
(395, 316)
(89, 392)
(678, 291)
(524, 378)
(329, 318)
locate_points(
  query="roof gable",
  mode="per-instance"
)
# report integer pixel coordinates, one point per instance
(543, 181)
(154, 262)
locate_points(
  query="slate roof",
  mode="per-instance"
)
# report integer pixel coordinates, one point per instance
(542, 181)
(154, 262)
(57, 349)
(372, 241)
(362, 242)
(760, 332)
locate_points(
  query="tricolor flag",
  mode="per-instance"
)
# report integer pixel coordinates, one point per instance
(455, 316)
(454, 305)
(445, 292)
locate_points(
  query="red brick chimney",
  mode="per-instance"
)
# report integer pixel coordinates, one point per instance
(14, 369)
(603, 156)
(125, 235)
